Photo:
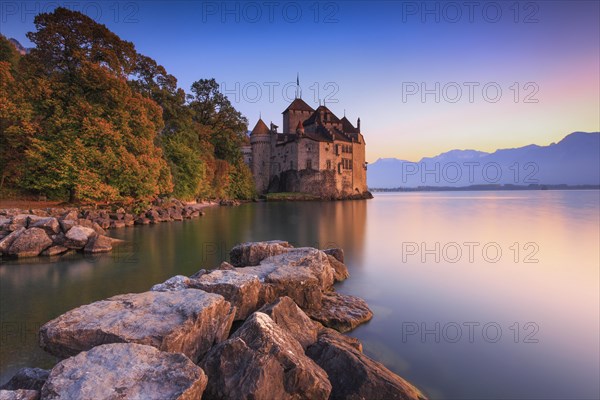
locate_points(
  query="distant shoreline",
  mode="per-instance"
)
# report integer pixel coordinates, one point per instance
(482, 188)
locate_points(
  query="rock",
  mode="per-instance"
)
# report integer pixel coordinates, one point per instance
(142, 221)
(226, 266)
(341, 312)
(103, 222)
(241, 290)
(252, 253)
(291, 318)
(337, 253)
(67, 224)
(117, 224)
(177, 282)
(70, 215)
(85, 222)
(353, 375)
(187, 321)
(302, 274)
(78, 236)
(263, 361)
(54, 250)
(8, 240)
(125, 371)
(340, 271)
(50, 225)
(58, 239)
(98, 229)
(18, 221)
(30, 243)
(27, 378)
(98, 244)
(20, 394)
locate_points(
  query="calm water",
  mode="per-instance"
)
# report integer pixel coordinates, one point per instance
(480, 295)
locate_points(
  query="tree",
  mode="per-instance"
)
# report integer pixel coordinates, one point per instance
(98, 135)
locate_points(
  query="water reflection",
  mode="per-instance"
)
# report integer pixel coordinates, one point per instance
(417, 258)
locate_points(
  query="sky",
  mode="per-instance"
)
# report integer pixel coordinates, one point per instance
(424, 77)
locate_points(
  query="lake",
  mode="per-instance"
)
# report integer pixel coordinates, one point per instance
(476, 295)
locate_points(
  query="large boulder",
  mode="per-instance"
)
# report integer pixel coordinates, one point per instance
(285, 313)
(50, 225)
(263, 361)
(8, 240)
(340, 271)
(341, 312)
(188, 321)
(78, 236)
(19, 394)
(30, 243)
(98, 244)
(27, 378)
(302, 274)
(241, 290)
(355, 376)
(125, 371)
(252, 253)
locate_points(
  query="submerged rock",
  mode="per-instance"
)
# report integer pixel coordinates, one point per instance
(353, 375)
(27, 378)
(341, 312)
(263, 361)
(20, 394)
(125, 371)
(187, 321)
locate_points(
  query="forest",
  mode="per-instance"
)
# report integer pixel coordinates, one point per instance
(85, 118)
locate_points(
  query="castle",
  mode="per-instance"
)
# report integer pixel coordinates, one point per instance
(317, 153)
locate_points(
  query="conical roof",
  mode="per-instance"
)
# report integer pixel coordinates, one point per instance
(298, 104)
(260, 128)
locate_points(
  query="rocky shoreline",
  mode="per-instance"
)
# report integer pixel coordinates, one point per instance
(56, 231)
(267, 325)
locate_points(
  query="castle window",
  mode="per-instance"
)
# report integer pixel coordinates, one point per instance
(328, 164)
(308, 164)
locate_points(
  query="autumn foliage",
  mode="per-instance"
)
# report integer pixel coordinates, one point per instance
(84, 117)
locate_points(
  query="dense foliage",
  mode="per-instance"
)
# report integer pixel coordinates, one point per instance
(84, 117)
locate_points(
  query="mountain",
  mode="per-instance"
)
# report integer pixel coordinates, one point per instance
(575, 160)
(22, 50)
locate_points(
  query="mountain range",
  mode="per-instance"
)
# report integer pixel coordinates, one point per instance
(575, 160)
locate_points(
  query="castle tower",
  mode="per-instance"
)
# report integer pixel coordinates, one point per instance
(297, 111)
(260, 141)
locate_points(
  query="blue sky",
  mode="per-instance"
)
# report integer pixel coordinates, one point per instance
(424, 77)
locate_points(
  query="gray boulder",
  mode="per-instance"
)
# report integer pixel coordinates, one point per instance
(285, 313)
(263, 361)
(78, 236)
(252, 253)
(341, 312)
(30, 243)
(50, 225)
(98, 244)
(241, 290)
(8, 240)
(187, 321)
(125, 371)
(355, 376)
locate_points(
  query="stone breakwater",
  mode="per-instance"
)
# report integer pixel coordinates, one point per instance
(267, 325)
(55, 231)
